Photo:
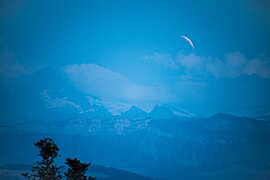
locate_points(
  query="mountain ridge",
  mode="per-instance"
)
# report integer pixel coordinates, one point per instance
(49, 94)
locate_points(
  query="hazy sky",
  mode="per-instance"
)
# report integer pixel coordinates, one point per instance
(130, 51)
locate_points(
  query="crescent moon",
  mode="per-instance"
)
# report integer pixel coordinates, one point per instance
(188, 40)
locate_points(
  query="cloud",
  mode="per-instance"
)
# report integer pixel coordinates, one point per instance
(258, 67)
(101, 82)
(162, 59)
(231, 65)
(236, 64)
(190, 60)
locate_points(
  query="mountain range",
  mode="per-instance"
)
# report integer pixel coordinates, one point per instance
(168, 142)
(51, 95)
(171, 148)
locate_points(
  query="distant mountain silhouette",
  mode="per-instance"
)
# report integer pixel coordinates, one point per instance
(161, 112)
(135, 113)
(49, 94)
(97, 111)
(222, 121)
(58, 86)
(46, 94)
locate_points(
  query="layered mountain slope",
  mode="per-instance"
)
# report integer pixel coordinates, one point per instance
(153, 147)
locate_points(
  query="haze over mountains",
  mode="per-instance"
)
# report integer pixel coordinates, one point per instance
(167, 142)
(48, 94)
(52, 95)
(113, 83)
(171, 148)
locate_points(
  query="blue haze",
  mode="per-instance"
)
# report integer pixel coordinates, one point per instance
(138, 40)
(113, 83)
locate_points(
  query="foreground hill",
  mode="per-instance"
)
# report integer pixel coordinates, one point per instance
(13, 172)
(172, 148)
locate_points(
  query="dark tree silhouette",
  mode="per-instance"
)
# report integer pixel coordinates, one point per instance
(77, 170)
(47, 170)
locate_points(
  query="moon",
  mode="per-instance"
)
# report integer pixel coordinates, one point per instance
(188, 40)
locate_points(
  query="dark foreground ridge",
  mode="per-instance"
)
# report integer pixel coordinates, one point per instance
(173, 148)
(13, 172)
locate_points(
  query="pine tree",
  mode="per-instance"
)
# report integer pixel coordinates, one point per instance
(45, 169)
(77, 170)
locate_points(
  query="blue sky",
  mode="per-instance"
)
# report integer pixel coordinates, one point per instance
(129, 51)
